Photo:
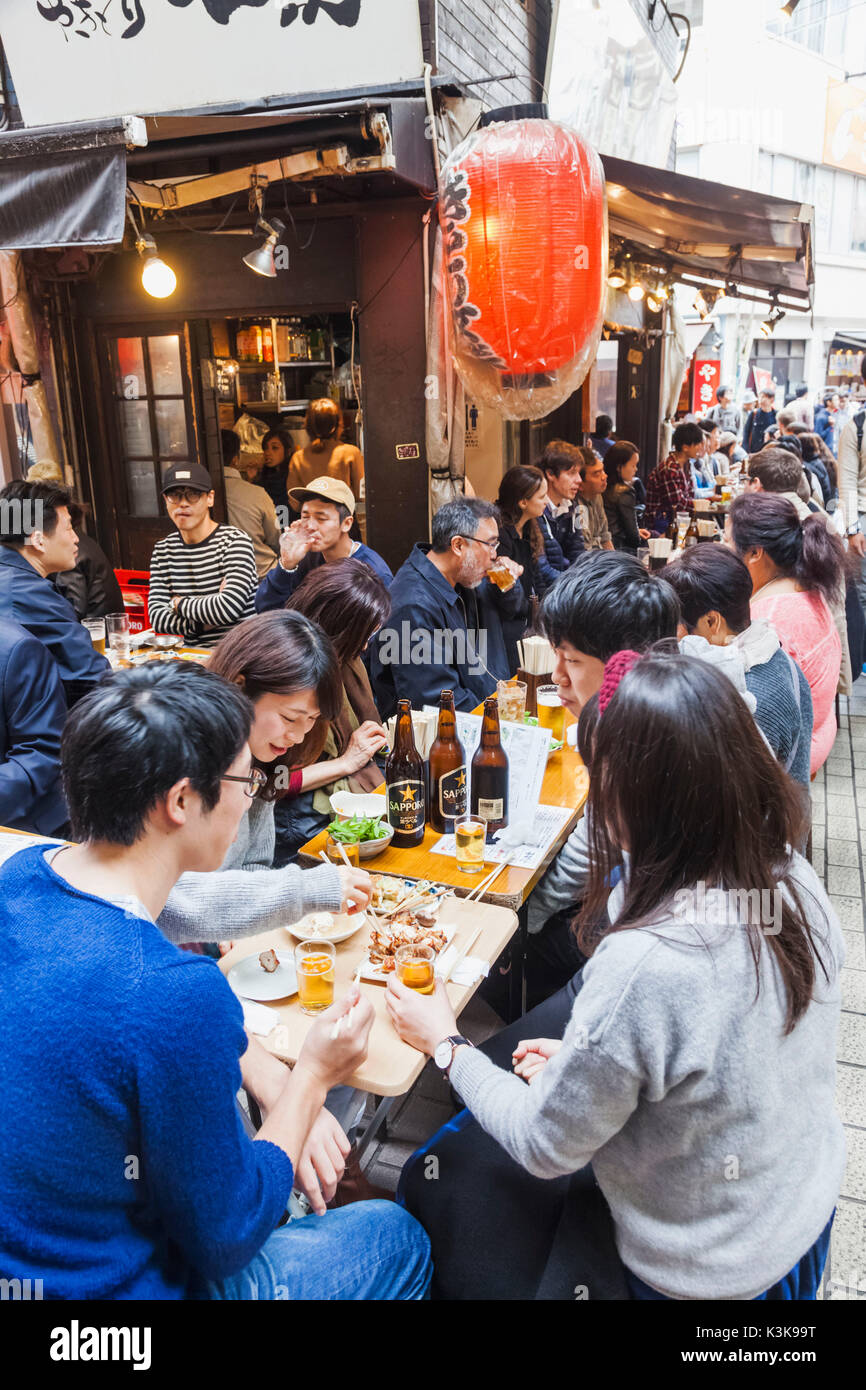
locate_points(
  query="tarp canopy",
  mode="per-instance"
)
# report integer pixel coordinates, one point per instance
(712, 231)
(76, 199)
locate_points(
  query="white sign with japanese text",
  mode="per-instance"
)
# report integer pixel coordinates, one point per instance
(77, 60)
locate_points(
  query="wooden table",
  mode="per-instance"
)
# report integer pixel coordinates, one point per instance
(566, 783)
(391, 1066)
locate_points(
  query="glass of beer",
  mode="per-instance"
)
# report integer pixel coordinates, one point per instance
(470, 833)
(96, 629)
(350, 849)
(501, 576)
(414, 967)
(551, 714)
(512, 700)
(314, 962)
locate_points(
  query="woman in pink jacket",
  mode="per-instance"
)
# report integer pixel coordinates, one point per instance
(797, 570)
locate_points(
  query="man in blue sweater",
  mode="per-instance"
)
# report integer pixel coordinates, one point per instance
(561, 463)
(320, 537)
(127, 1173)
(37, 540)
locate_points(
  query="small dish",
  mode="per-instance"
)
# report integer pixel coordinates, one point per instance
(250, 981)
(368, 849)
(348, 804)
(343, 926)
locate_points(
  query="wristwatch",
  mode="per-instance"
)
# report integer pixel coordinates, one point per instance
(444, 1053)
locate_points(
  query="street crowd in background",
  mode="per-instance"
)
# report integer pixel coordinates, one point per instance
(187, 793)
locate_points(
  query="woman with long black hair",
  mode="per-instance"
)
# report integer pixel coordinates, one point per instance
(348, 602)
(287, 666)
(797, 573)
(696, 1073)
(620, 499)
(521, 501)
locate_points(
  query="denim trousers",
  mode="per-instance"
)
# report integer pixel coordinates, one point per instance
(369, 1250)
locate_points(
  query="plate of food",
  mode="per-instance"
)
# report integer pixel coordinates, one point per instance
(390, 891)
(327, 926)
(370, 833)
(404, 929)
(269, 975)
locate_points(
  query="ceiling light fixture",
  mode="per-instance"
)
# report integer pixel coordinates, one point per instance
(616, 276)
(262, 259)
(636, 291)
(157, 278)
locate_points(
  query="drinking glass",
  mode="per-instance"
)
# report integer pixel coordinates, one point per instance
(512, 700)
(683, 523)
(643, 555)
(351, 850)
(470, 833)
(314, 963)
(501, 576)
(117, 630)
(414, 966)
(551, 714)
(96, 629)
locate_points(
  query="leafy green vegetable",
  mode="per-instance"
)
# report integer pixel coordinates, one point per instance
(350, 832)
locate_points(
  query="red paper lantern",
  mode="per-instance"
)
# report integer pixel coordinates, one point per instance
(525, 223)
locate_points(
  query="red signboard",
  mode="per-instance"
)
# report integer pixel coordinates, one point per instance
(707, 378)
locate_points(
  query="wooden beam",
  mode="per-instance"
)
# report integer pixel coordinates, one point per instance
(182, 193)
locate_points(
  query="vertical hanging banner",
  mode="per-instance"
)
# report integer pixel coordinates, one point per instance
(76, 60)
(708, 376)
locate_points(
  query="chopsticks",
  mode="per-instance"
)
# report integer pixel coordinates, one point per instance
(484, 885)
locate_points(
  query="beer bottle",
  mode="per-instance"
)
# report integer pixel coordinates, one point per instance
(693, 535)
(672, 532)
(490, 773)
(447, 770)
(405, 783)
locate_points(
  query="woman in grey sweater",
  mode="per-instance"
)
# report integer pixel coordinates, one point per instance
(287, 667)
(697, 1070)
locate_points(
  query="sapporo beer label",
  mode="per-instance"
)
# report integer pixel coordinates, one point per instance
(406, 804)
(490, 809)
(452, 792)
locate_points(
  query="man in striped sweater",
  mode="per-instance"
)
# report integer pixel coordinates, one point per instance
(202, 576)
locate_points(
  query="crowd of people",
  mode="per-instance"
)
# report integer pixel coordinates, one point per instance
(659, 1041)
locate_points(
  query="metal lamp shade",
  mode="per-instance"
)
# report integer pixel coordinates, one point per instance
(262, 259)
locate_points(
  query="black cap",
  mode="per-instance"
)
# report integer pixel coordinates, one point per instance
(187, 475)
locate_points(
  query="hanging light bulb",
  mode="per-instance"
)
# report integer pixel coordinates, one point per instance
(616, 278)
(636, 291)
(654, 302)
(262, 259)
(157, 278)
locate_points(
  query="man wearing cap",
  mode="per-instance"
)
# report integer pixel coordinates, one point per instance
(320, 537)
(202, 576)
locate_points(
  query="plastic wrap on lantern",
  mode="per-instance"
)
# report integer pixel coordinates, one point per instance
(524, 217)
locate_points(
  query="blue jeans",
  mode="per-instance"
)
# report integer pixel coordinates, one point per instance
(369, 1250)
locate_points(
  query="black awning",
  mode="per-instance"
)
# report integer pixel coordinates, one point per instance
(73, 199)
(711, 231)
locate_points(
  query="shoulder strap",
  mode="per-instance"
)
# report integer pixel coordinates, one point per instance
(860, 421)
(795, 680)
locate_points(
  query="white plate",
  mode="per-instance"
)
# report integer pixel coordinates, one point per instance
(358, 804)
(344, 927)
(248, 979)
(372, 972)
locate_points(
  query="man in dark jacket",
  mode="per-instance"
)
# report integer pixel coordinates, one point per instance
(561, 463)
(32, 712)
(92, 587)
(37, 540)
(445, 629)
(759, 422)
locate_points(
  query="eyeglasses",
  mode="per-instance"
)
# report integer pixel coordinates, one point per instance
(176, 495)
(492, 546)
(256, 780)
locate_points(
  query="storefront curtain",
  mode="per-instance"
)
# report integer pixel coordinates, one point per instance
(676, 357)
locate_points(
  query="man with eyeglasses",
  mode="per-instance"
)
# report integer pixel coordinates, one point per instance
(127, 1172)
(445, 630)
(203, 575)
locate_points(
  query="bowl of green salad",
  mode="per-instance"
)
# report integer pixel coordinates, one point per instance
(360, 819)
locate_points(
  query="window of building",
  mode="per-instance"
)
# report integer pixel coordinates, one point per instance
(820, 25)
(151, 412)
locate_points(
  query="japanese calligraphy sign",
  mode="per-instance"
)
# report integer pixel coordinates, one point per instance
(708, 376)
(75, 60)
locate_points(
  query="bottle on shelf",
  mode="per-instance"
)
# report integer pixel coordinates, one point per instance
(254, 339)
(447, 770)
(242, 345)
(267, 343)
(404, 783)
(490, 773)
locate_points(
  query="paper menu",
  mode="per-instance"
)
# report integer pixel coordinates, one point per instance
(526, 748)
